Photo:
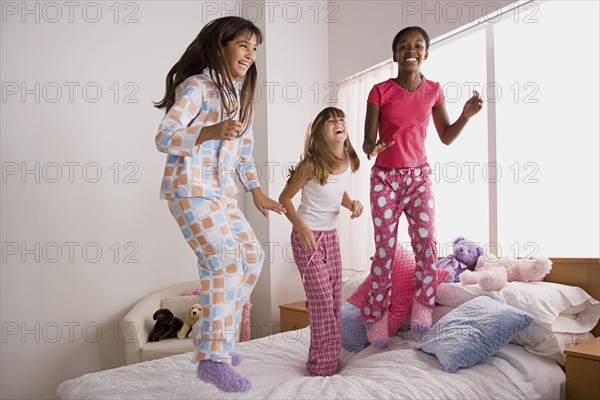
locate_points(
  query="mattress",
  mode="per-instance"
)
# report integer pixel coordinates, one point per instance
(276, 367)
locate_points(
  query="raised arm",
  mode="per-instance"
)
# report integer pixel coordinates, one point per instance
(175, 135)
(449, 132)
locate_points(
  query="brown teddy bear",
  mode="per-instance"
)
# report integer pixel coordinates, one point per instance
(192, 317)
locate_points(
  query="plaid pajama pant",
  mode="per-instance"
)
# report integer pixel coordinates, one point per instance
(229, 262)
(321, 273)
(395, 191)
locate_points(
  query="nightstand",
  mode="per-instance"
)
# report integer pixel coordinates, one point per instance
(293, 316)
(583, 370)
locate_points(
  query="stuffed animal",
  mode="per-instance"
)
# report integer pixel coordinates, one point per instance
(166, 326)
(492, 272)
(464, 256)
(193, 316)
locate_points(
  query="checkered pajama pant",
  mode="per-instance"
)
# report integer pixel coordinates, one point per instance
(321, 273)
(396, 191)
(229, 263)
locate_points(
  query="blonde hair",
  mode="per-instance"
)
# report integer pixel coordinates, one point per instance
(318, 155)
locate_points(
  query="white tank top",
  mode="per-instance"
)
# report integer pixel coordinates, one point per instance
(320, 205)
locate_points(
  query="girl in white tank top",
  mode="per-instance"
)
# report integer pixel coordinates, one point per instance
(322, 174)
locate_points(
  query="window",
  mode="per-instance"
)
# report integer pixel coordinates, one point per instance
(547, 130)
(524, 174)
(460, 170)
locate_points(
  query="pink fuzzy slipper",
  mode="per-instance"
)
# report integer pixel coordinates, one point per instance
(223, 376)
(420, 318)
(378, 333)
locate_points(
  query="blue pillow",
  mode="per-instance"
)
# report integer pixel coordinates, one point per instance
(354, 332)
(473, 332)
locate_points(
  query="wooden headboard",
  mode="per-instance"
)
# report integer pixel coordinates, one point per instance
(582, 272)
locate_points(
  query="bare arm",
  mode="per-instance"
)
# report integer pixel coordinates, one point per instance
(449, 132)
(355, 206)
(264, 203)
(372, 146)
(371, 127)
(301, 176)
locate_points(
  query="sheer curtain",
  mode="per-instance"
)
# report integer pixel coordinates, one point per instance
(356, 236)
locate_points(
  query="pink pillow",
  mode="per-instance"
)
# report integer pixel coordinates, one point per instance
(403, 290)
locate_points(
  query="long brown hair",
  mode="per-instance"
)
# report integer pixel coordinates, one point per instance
(204, 52)
(318, 155)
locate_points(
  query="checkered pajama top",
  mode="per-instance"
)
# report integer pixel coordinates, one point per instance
(208, 169)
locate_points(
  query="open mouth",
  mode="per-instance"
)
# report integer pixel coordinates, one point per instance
(410, 60)
(339, 131)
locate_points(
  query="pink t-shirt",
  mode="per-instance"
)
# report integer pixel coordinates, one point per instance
(403, 118)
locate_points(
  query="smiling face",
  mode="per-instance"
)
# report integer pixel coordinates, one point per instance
(239, 54)
(411, 51)
(335, 132)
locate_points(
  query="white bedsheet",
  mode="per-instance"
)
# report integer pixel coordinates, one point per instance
(275, 366)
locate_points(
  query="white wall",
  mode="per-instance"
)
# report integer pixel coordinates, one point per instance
(53, 308)
(60, 309)
(295, 64)
(361, 32)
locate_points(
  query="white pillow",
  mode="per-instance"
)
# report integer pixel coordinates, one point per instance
(552, 305)
(556, 307)
(545, 343)
(454, 294)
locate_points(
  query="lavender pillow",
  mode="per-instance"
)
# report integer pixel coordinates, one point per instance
(473, 332)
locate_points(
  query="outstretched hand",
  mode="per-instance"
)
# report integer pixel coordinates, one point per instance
(473, 105)
(264, 204)
(379, 147)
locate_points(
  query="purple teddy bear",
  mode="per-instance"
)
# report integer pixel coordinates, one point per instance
(465, 255)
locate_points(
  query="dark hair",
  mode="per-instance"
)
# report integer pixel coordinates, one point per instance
(317, 154)
(204, 52)
(410, 29)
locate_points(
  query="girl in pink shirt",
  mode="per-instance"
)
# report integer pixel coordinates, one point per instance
(400, 110)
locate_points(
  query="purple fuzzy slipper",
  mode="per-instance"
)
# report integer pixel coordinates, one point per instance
(236, 359)
(223, 376)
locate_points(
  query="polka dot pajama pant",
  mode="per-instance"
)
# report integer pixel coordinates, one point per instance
(229, 262)
(395, 191)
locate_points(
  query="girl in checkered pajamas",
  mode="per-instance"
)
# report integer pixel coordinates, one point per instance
(207, 136)
(323, 175)
(399, 110)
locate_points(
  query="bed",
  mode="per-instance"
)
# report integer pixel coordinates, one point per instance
(276, 367)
